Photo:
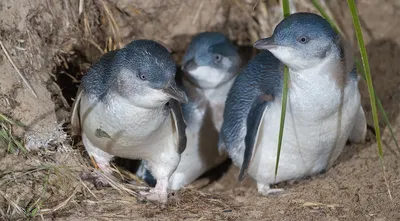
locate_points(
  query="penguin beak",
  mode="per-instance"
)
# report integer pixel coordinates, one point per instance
(189, 65)
(266, 44)
(174, 92)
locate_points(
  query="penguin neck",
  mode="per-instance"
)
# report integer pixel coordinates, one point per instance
(213, 93)
(219, 91)
(114, 98)
(132, 111)
(321, 89)
(330, 69)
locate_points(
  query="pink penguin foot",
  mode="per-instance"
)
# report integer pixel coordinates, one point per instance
(159, 193)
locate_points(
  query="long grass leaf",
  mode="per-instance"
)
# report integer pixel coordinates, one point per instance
(10, 121)
(365, 62)
(380, 106)
(386, 119)
(368, 78)
(283, 113)
(360, 69)
(286, 8)
(13, 144)
(6, 119)
(286, 13)
(321, 10)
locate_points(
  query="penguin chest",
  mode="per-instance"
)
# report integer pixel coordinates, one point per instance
(125, 130)
(202, 139)
(216, 98)
(317, 127)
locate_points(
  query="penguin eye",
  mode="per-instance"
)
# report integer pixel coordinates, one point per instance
(142, 76)
(303, 39)
(218, 58)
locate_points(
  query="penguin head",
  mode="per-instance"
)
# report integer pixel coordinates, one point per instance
(301, 41)
(211, 60)
(146, 74)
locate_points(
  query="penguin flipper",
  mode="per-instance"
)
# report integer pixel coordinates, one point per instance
(254, 122)
(75, 118)
(179, 124)
(359, 132)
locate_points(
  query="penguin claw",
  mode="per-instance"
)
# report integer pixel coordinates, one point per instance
(271, 192)
(155, 195)
(96, 178)
(265, 190)
(158, 193)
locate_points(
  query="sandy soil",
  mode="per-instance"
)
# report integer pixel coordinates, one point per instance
(53, 45)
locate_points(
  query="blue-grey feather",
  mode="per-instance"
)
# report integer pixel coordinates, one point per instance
(302, 23)
(205, 45)
(96, 81)
(201, 42)
(202, 48)
(143, 56)
(263, 75)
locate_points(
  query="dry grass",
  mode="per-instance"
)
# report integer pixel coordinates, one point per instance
(48, 182)
(17, 70)
(51, 181)
(13, 144)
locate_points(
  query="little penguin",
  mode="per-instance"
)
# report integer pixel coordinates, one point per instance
(210, 65)
(323, 107)
(129, 106)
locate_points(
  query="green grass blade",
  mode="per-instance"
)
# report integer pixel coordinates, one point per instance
(380, 106)
(367, 70)
(359, 68)
(286, 13)
(386, 119)
(321, 10)
(283, 113)
(20, 145)
(13, 144)
(8, 120)
(286, 8)
(10, 147)
(35, 207)
(364, 58)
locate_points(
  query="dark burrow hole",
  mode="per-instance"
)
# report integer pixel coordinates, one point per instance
(68, 71)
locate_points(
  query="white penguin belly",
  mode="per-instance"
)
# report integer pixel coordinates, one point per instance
(201, 153)
(127, 131)
(313, 138)
(217, 98)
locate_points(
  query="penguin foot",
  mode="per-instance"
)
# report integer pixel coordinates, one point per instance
(154, 195)
(101, 161)
(99, 180)
(96, 178)
(159, 193)
(265, 190)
